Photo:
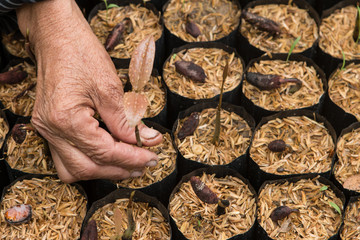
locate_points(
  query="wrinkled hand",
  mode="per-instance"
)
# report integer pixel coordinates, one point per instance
(75, 78)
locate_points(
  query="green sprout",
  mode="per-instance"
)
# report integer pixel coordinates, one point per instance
(344, 61)
(335, 206)
(108, 6)
(356, 34)
(323, 188)
(292, 47)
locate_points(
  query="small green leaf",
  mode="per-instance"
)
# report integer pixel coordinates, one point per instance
(292, 47)
(335, 206)
(174, 56)
(323, 188)
(343, 64)
(112, 5)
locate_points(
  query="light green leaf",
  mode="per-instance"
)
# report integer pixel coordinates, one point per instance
(292, 47)
(323, 188)
(344, 61)
(112, 5)
(174, 56)
(335, 206)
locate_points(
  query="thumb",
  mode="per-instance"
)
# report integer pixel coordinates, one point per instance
(111, 110)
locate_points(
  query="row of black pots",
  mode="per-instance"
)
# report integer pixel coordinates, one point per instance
(168, 41)
(255, 232)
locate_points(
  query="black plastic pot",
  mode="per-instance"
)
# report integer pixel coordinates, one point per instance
(258, 112)
(327, 62)
(159, 44)
(177, 103)
(220, 172)
(248, 51)
(338, 118)
(347, 192)
(239, 164)
(258, 176)
(173, 41)
(262, 234)
(125, 193)
(16, 173)
(161, 189)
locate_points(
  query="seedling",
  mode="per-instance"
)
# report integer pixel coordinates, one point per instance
(108, 6)
(216, 136)
(205, 194)
(323, 188)
(344, 61)
(356, 34)
(90, 232)
(335, 206)
(292, 47)
(269, 81)
(141, 65)
(282, 212)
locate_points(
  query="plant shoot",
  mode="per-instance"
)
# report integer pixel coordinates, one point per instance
(141, 65)
(216, 136)
(292, 47)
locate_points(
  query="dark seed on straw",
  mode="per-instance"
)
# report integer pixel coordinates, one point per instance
(189, 125)
(277, 145)
(18, 132)
(13, 76)
(203, 192)
(282, 212)
(116, 34)
(192, 28)
(262, 23)
(268, 81)
(191, 70)
(18, 214)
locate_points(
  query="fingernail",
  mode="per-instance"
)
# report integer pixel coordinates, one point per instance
(151, 163)
(148, 133)
(136, 174)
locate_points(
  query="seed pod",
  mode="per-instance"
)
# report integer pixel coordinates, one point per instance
(190, 70)
(18, 132)
(282, 212)
(262, 23)
(90, 232)
(202, 191)
(269, 81)
(189, 126)
(277, 146)
(13, 76)
(116, 34)
(192, 28)
(18, 214)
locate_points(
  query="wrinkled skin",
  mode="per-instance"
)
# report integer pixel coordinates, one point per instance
(75, 78)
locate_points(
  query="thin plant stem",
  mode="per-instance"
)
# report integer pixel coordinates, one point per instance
(137, 134)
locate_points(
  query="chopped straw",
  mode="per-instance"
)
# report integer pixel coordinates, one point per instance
(23, 105)
(166, 165)
(31, 156)
(316, 220)
(58, 210)
(150, 224)
(15, 45)
(350, 228)
(144, 22)
(293, 21)
(235, 136)
(311, 146)
(281, 98)
(336, 34)
(216, 18)
(198, 220)
(4, 129)
(344, 89)
(213, 61)
(348, 152)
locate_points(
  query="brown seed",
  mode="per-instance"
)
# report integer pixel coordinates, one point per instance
(13, 76)
(189, 126)
(192, 28)
(18, 214)
(190, 70)
(116, 34)
(281, 212)
(277, 145)
(261, 23)
(202, 191)
(269, 81)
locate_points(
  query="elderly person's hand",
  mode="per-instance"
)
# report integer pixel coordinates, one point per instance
(75, 78)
